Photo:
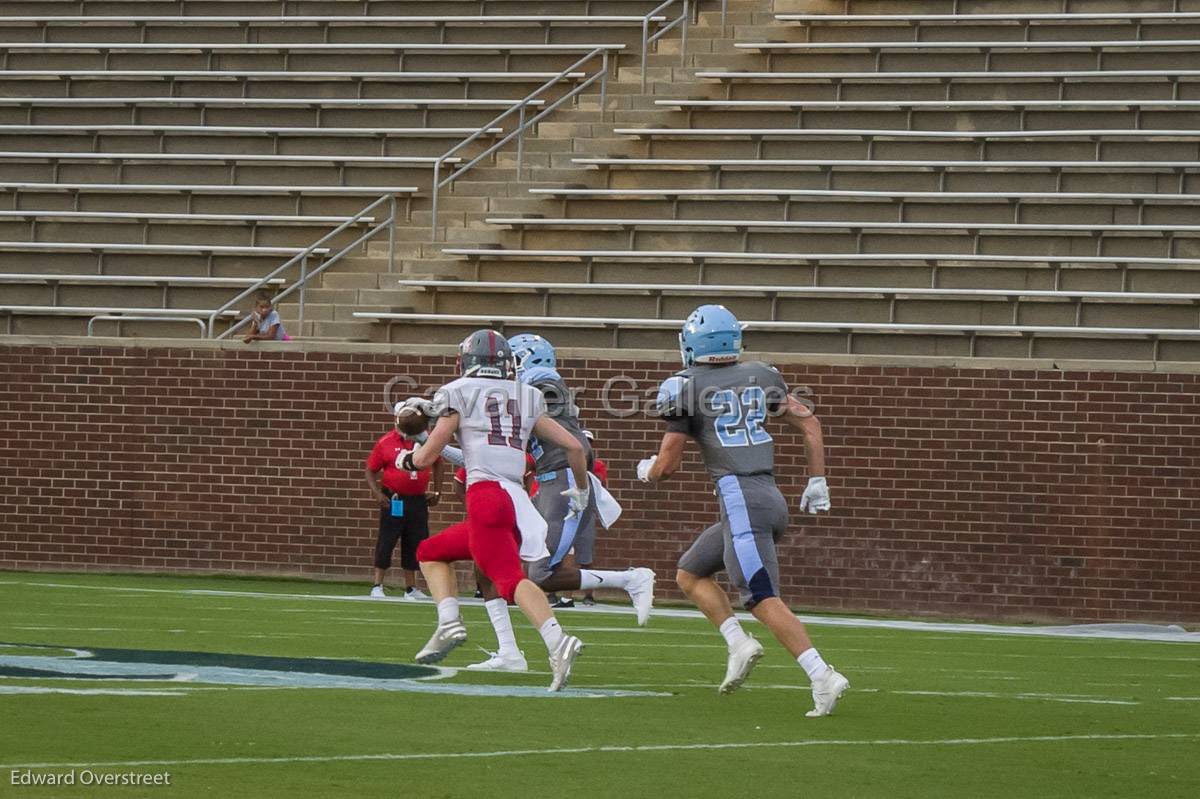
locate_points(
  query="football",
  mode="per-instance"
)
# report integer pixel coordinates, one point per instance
(412, 421)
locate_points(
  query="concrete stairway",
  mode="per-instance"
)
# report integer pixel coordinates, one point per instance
(1086, 192)
(365, 284)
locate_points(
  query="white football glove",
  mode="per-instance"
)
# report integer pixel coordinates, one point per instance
(644, 466)
(419, 404)
(577, 501)
(816, 496)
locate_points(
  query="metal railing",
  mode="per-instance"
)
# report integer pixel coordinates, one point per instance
(524, 122)
(301, 260)
(666, 27)
(520, 107)
(119, 318)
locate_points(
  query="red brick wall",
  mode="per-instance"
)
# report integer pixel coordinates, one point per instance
(968, 492)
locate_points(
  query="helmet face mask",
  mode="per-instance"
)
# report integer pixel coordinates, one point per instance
(485, 353)
(712, 335)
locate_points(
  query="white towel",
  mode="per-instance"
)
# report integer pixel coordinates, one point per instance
(607, 508)
(530, 523)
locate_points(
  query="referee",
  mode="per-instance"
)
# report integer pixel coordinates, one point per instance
(404, 499)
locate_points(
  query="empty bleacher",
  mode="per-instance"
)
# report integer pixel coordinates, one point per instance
(1006, 181)
(965, 178)
(159, 159)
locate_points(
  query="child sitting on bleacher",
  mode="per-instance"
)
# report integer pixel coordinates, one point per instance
(267, 326)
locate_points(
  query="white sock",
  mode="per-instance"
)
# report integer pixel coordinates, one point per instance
(552, 633)
(497, 610)
(814, 666)
(731, 628)
(594, 578)
(448, 610)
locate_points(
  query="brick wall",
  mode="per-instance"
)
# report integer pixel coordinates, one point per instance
(991, 493)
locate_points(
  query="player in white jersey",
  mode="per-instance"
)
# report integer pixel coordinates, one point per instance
(494, 416)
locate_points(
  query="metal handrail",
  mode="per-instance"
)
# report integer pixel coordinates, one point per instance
(301, 259)
(523, 123)
(648, 40)
(119, 318)
(519, 108)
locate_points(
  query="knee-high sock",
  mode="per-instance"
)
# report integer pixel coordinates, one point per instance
(595, 578)
(497, 610)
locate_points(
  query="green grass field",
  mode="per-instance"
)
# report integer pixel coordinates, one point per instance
(929, 713)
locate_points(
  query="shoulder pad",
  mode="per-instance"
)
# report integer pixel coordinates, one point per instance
(669, 401)
(539, 374)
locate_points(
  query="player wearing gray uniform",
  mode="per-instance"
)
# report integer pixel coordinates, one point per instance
(550, 463)
(723, 404)
(740, 455)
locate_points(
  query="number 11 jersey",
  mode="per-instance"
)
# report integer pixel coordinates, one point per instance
(496, 418)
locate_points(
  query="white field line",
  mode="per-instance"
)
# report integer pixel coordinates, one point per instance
(585, 750)
(1078, 632)
(31, 689)
(1068, 698)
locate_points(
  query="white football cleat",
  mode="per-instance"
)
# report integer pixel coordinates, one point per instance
(641, 592)
(741, 661)
(445, 638)
(415, 595)
(561, 660)
(827, 690)
(377, 592)
(498, 662)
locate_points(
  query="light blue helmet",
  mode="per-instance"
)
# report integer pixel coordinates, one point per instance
(530, 350)
(711, 334)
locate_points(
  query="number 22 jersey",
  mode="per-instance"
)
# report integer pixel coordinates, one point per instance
(725, 408)
(496, 418)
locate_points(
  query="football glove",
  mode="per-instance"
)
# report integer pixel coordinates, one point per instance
(816, 496)
(406, 463)
(418, 404)
(577, 501)
(644, 466)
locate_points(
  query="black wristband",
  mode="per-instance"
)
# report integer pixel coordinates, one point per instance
(406, 463)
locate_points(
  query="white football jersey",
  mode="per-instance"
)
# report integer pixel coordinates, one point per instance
(496, 418)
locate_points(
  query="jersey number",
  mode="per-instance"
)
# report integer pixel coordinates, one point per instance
(740, 422)
(497, 437)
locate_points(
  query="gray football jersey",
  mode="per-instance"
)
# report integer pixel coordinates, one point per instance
(725, 409)
(560, 407)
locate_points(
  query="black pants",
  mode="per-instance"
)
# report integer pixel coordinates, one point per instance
(410, 530)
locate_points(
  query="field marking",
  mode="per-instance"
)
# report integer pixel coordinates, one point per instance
(586, 750)
(1068, 698)
(34, 689)
(1078, 632)
(1183, 698)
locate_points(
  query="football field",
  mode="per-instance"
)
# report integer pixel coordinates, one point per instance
(231, 688)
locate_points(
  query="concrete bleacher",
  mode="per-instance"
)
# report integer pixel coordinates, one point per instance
(898, 179)
(993, 178)
(208, 142)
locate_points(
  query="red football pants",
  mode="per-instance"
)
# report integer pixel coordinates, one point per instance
(488, 536)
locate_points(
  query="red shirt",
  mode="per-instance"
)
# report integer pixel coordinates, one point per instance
(386, 455)
(600, 469)
(460, 475)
